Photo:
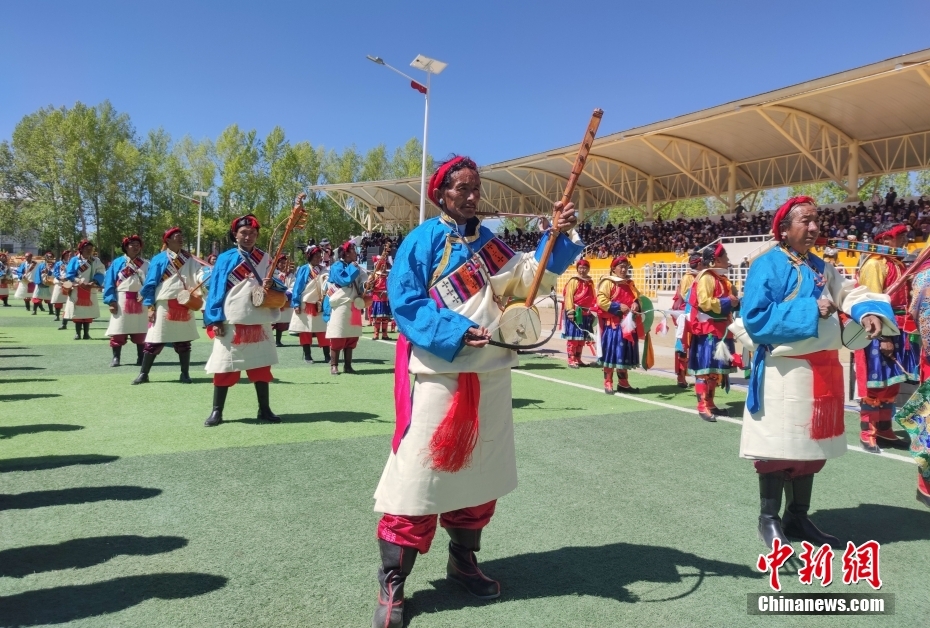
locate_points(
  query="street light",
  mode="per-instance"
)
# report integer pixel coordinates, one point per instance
(199, 205)
(431, 67)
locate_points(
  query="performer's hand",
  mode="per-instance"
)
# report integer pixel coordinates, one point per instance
(267, 283)
(886, 347)
(826, 307)
(113, 308)
(219, 330)
(624, 309)
(734, 302)
(152, 316)
(872, 325)
(567, 218)
(477, 337)
(297, 310)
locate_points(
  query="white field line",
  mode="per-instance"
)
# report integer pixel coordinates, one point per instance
(671, 407)
(687, 410)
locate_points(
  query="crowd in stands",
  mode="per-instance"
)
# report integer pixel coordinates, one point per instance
(683, 235)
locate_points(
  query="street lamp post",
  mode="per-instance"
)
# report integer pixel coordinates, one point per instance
(199, 203)
(431, 67)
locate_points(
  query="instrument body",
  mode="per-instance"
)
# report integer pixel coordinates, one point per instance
(378, 268)
(66, 287)
(191, 300)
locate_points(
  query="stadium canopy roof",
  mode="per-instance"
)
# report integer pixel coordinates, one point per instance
(849, 127)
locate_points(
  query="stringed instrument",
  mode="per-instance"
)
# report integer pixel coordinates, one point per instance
(378, 268)
(275, 297)
(520, 324)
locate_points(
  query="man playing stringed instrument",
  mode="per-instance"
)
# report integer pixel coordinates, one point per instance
(122, 294)
(241, 341)
(344, 304)
(59, 298)
(579, 301)
(307, 301)
(452, 454)
(86, 272)
(680, 304)
(284, 274)
(380, 303)
(42, 278)
(793, 419)
(170, 272)
(617, 297)
(23, 275)
(890, 360)
(6, 275)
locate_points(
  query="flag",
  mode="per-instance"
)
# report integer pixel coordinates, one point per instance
(648, 356)
(662, 327)
(195, 201)
(627, 326)
(417, 86)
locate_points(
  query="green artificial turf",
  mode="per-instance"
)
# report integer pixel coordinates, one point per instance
(117, 508)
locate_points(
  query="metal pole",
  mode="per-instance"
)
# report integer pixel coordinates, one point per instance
(199, 222)
(423, 166)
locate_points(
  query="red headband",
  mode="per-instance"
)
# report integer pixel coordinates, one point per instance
(84, 243)
(435, 181)
(782, 211)
(346, 246)
(170, 232)
(619, 260)
(49, 254)
(719, 250)
(893, 232)
(129, 239)
(248, 220)
(311, 251)
(66, 252)
(583, 262)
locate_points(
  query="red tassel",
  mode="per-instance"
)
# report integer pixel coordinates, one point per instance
(827, 398)
(132, 305)
(177, 312)
(249, 334)
(83, 297)
(355, 317)
(452, 444)
(310, 309)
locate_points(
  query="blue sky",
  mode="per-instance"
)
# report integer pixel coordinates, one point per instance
(522, 77)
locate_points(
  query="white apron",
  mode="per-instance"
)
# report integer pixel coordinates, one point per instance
(57, 295)
(347, 307)
(41, 291)
(82, 305)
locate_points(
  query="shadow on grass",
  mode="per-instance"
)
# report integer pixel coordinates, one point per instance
(195, 380)
(10, 431)
(536, 405)
(549, 365)
(72, 496)
(866, 522)
(8, 348)
(27, 396)
(363, 371)
(26, 380)
(24, 355)
(42, 463)
(21, 368)
(81, 553)
(336, 416)
(604, 571)
(71, 603)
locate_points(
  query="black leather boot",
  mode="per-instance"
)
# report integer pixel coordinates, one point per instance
(185, 360)
(396, 564)
(771, 486)
(796, 522)
(264, 410)
(37, 305)
(51, 310)
(148, 359)
(219, 402)
(462, 567)
(277, 337)
(326, 354)
(86, 335)
(139, 355)
(116, 354)
(334, 363)
(308, 356)
(348, 362)
(57, 314)
(64, 324)
(28, 305)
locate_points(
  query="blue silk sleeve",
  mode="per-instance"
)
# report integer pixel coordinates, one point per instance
(437, 330)
(563, 254)
(300, 284)
(72, 270)
(109, 282)
(343, 274)
(153, 278)
(768, 318)
(216, 295)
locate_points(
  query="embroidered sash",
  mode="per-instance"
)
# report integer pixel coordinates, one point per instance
(471, 277)
(174, 265)
(131, 268)
(245, 268)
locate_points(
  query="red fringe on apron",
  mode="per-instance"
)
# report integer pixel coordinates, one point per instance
(310, 309)
(177, 312)
(83, 297)
(452, 444)
(827, 410)
(356, 317)
(132, 305)
(249, 334)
